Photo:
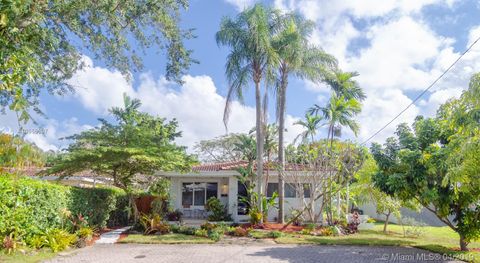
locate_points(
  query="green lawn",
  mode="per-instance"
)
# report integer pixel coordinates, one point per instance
(166, 239)
(436, 239)
(29, 257)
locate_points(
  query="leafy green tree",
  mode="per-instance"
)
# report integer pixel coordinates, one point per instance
(437, 164)
(136, 144)
(365, 192)
(300, 59)
(15, 152)
(219, 149)
(252, 59)
(41, 42)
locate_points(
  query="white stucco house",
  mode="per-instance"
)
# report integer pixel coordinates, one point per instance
(189, 191)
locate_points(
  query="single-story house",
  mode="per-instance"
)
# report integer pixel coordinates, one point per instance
(190, 191)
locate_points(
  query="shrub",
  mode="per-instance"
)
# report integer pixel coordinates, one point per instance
(175, 215)
(175, 228)
(275, 234)
(240, 232)
(120, 216)
(215, 234)
(85, 232)
(58, 239)
(186, 230)
(325, 231)
(201, 233)
(95, 204)
(153, 223)
(255, 216)
(28, 207)
(218, 212)
(11, 243)
(371, 220)
(306, 231)
(208, 226)
(310, 226)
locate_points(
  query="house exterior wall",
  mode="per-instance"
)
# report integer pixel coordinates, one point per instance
(176, 189)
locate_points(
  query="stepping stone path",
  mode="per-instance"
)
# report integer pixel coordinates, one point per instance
(112, 236)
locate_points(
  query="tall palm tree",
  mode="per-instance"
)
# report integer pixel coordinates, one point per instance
(310, 125)
(302, 60)
(338, 113)
(252, 58)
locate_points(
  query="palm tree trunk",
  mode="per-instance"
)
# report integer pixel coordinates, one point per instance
(281, 148)
(260, 142)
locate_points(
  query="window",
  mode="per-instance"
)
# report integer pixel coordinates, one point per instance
(199, 194)
(306, 190)
(187, 194)
(290, 191)
(196, 194)
(271, 188)
(212, 190)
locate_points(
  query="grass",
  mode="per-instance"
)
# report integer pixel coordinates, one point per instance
(29, 257)
(436, 239)
(166, 239)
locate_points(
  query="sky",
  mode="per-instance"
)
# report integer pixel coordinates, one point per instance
(397, 46)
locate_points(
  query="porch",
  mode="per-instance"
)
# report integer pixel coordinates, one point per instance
(190, 192)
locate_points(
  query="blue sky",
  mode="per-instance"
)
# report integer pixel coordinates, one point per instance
(398, 47)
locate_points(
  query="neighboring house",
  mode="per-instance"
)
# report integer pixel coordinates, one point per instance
(82, 179)
(189, 191)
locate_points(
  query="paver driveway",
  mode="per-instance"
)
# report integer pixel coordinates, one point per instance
(250, 254)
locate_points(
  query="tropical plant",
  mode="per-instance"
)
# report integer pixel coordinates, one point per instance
(137, 143)
(218, 211)
(59, 239)
(252, 58)
(311, 125)
(338, 113)
(11, 243)
(343, 84)
(41, 43)
(153, 223)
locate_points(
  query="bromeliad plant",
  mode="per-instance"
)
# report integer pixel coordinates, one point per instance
(154, 223)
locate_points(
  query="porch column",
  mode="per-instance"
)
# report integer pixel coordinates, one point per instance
(232, 197)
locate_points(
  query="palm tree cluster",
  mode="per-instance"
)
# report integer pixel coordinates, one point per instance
(267, 47)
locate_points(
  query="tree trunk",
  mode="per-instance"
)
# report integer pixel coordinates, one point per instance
(463, 243)
(387, 217)
(133, 204)
(260, 142)
(281, 150)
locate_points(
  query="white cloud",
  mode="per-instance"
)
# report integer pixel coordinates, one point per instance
(108, 91)
(395, 52)
(46, 133)
(240, 4)
(196, 104)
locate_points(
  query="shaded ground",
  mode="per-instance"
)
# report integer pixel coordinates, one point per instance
(251, 254)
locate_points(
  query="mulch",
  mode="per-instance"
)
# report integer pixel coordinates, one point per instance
(274, 226)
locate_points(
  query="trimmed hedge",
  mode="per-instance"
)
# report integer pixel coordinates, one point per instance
(32, 206)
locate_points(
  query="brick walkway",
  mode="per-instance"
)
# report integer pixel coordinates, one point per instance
(250, 254)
